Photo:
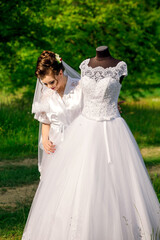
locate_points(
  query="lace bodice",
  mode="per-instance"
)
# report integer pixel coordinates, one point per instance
(101, 88)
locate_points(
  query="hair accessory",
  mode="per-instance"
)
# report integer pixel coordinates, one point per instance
(58, 58)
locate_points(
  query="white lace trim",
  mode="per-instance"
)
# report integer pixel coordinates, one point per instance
(99, 72)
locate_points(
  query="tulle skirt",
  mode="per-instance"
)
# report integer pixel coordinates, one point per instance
(95, 187)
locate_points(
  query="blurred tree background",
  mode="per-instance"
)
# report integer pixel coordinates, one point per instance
(74, 29)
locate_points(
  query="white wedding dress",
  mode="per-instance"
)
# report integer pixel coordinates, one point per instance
(96, 187)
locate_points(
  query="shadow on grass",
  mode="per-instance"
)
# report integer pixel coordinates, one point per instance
(13, 176)
(139, 90)
(150, 162)
(13, 221)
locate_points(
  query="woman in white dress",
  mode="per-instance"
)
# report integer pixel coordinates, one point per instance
(97, 186)
(56, 102)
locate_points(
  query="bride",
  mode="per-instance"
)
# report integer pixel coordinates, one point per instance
(56, 102)
(96, 187)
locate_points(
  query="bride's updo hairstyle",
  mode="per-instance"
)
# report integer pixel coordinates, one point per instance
(47, 64)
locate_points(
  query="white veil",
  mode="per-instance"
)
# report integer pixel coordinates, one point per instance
(40, 88)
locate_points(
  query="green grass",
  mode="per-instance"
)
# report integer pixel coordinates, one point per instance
(155, 178)
(13, 176)
(151, 161)
(13, 221)
(143, 118)
(18, 129)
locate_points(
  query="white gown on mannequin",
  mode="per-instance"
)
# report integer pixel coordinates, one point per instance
(97, 186)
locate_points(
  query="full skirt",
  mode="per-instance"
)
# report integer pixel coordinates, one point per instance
(95, 187)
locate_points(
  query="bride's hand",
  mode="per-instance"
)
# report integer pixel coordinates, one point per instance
(48, 146)
(119, 107)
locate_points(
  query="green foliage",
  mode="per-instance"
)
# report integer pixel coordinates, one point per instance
(74, 28)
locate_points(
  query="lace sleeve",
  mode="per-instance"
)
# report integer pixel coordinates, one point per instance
(123, 70)
(82, 65)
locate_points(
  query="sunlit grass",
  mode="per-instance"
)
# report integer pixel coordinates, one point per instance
(143, 118)
(18, 129)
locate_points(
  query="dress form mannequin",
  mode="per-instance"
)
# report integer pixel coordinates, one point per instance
(103, 59)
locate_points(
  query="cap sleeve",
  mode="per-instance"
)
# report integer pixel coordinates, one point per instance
(123, 69)
(81, 66)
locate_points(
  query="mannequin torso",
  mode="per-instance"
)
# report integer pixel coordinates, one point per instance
(103, 59)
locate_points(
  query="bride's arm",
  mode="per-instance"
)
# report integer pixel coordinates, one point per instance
(47, 144)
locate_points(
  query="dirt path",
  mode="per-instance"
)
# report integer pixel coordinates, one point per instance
(21, 195)
(11, 197)
(25, 162)
(151, 152)
(146, 153)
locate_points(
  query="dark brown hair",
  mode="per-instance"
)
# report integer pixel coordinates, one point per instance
(47, 64)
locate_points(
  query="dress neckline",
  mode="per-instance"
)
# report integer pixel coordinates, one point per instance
(102, 68)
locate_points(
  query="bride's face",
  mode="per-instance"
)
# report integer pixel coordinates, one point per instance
(54, 82)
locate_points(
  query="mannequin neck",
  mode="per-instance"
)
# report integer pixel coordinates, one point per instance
(102, 52)
(103, 58)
